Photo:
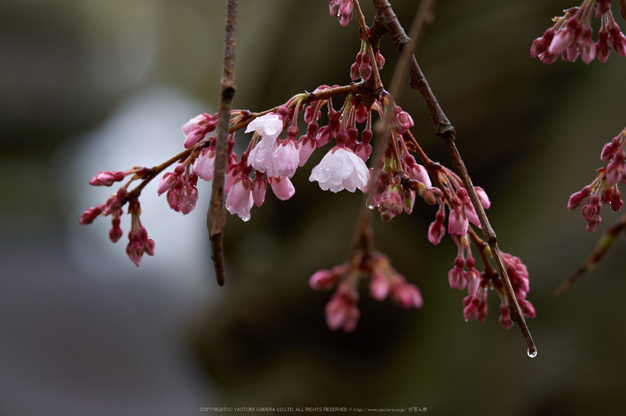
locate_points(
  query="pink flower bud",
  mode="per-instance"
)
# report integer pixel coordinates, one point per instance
(307, 146)
(471, 307)
(578, 197)
(91, 214)
(239, 200)
(326, 279)
(342, 313)
(259, 187)
(116, 231)
(379, 286)
(615, 169)
(482, 197)
(457, 222)
(282, 187)
(107, 178)
(505, 317)
(167, 181)
(204, 164)
(407, 295)
(188, 198)
(436, 230)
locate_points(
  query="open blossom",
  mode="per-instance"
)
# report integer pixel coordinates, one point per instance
(269, 156)
(341, 169)
(285, 160)
(267, 126)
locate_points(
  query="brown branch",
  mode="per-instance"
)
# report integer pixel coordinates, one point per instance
(216, 216)
(387, 21)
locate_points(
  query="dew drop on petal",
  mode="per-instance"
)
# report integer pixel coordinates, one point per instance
(532, 353)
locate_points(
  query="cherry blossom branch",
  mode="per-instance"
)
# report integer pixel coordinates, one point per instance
(146, 175)
(216, 217)
(387, 21)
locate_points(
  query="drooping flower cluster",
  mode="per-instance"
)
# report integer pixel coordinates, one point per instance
(342, 311)
(362, 66)
(571, 34)
(478, 284)
(139, 243)
(603, 189)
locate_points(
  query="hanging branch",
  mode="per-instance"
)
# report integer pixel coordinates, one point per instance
(216, 217)
(387, 22)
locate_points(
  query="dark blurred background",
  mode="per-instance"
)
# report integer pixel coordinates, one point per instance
(87, 86)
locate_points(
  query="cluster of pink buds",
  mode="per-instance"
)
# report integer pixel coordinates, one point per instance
(464, 274)
(362, 67)
(603, 190)
(342, 311)
(400, 178)
(571, 35)
(139, 243)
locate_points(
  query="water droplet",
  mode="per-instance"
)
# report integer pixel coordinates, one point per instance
(370, 206)
(466, 320)
(532, 353)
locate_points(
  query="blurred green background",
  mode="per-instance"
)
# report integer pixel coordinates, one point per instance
(87, 86)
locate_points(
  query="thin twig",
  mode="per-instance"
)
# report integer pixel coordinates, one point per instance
(216, 216)
(603, 246)
(387, 21)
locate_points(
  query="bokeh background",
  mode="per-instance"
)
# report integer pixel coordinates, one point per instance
(87, 86)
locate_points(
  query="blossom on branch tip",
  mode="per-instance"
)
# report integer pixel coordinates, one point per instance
(138, 241)
(107, 178)
(341, 169)
(91, 214)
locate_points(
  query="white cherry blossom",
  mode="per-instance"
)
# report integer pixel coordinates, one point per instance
(341, 169)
